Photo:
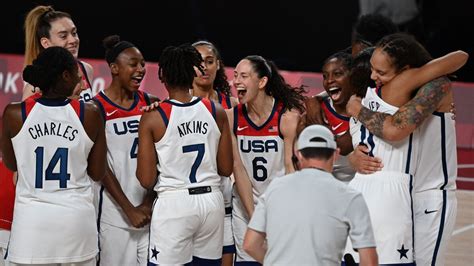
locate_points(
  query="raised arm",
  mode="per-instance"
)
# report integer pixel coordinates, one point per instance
(242, 180)
(401, 124)
(413, 78)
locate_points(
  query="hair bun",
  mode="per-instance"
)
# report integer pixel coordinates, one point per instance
(110, 41)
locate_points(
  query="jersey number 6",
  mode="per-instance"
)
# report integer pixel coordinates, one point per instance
(259, 170)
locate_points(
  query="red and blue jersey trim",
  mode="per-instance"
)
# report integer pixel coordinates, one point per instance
(244, 126)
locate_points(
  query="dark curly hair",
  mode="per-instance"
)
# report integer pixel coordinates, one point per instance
(176, 65)
(47, 69)
(404, 50)
(220, 83)
(344, 56)
(360, 72)
(370, 28)
(291, 97)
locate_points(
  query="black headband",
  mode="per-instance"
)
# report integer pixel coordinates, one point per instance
(112, 54)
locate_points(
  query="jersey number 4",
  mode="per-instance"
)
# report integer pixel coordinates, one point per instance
(60, 156)
(200, 148)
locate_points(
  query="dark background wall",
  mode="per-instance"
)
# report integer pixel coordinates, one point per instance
(297, 35)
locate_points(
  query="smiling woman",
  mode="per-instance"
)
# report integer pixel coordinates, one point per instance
(125, 205)
(46, 27)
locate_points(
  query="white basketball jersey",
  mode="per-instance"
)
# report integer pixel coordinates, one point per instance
(121, 129)
(398, 156)
(54, 218)
(437, 163)
(187, 152)
(261, 148)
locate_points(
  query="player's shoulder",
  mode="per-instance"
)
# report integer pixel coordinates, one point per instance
(12, 110)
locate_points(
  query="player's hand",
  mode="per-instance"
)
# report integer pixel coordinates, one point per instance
(313, 112)
(138, 217)
(150, 107)
(354, 105)
(363, 163)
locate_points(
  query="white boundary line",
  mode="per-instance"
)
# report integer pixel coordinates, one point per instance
(462, 166)
(465, 179)
(463, 229)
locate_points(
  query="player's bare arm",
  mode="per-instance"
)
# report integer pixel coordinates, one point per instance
(12, 123)
(137, 217)
(150, 130)
(225, 158)
(363, 163)
(288, 124)
(401, 124)
(314, 113)
(413, 78)
(254, 244)
(94, 126)
(242, 180)
(368, 257)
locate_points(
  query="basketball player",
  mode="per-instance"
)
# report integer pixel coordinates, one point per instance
(46, 27)
(189, 139)
(436, 166)
(57, 145)
(125, 206)
(338, 76)
(213, 85)
(264, 128)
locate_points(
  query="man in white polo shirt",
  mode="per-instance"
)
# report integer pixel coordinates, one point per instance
(304, 218)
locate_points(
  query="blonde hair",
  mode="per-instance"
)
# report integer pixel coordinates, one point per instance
(37, 25)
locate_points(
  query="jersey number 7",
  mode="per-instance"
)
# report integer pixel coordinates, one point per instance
(200, 148)
(61, 157)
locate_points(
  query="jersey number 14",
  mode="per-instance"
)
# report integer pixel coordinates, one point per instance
(60, 157)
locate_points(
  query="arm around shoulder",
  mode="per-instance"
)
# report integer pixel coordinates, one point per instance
(413, 78)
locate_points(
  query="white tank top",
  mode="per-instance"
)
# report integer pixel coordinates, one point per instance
(187, 152)
(54, 219)
(121, 128)
(261, 148)
(437, 160)
(398, 156)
